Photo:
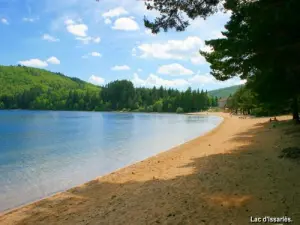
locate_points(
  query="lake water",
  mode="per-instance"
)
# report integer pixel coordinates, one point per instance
(43, 152)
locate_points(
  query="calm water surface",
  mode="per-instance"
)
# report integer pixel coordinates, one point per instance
(43, 152)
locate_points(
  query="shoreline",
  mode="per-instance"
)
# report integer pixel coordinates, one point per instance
(94, 111)
(10, 210)
(222, 176)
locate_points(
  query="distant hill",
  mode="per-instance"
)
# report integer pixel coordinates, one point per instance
(224, 92)
(31, 88)
(17, 79)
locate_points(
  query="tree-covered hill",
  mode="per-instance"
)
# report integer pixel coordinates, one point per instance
(17, 79)
(30, 88)
(225, 92)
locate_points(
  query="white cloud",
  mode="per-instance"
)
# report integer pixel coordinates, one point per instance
(231, 82)
(97, 39)
(30, 20)
(197, 80)
(87, 40)
(197, 59)
(40, 63)
(139, 70)
(34, 63)
(211, 27)
(117, 68)
(107, 21)
(126, 24)
(207, 48)
(149, 32)
(53, 60)
(95, 54)
(202, 79)
(80, 29)
(208, 79)
(50, 38)
(174, 69)
(172, 49)
(84, 40)
(241, 82)
(96, 80)
(77, 29)
(154, 80)
(4, 21)
(115, 12)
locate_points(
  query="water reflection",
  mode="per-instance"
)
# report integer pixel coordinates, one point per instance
(42, 152)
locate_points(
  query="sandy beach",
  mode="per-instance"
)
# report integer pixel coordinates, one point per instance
(224, 177)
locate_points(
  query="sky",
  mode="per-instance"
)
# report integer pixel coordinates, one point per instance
(103, 41)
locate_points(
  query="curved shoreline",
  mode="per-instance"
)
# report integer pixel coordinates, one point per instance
(229, 174)
(25, 204)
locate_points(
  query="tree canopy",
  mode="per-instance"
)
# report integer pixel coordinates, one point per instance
(30, 88)
(261, 43)
(174, 13)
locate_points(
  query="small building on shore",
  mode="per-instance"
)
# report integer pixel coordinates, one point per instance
(222, 103)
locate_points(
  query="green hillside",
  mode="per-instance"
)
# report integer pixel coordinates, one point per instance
(32, 88)
(17, 79)
(224, 92)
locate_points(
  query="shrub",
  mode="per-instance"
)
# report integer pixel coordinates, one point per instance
(150, 108)
(291, 152)
(260, 112)
(140, 109)
(179, 110)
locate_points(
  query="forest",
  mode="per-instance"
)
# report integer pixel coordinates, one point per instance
(259, 43)
(30, 88)
(246, 101)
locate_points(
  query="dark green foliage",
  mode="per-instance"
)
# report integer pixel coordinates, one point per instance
(291, 152)
(260, 44)
(172, 13)
(179, 110)
(120, 94)
(30, 88)
(246, 101)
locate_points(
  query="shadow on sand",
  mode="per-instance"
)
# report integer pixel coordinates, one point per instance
(229, 188)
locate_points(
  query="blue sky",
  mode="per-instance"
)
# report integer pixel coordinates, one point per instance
(104, 41)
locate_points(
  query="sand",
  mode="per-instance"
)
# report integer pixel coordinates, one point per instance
(224, 177)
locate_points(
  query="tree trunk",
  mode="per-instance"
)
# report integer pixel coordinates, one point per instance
(295, 109)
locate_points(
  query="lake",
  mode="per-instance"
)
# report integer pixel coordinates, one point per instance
(44, 152)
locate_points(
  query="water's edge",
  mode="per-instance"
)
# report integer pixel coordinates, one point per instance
(27, 203)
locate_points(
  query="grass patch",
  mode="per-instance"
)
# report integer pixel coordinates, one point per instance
(292, 131)
(291, 153)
